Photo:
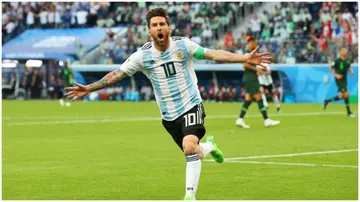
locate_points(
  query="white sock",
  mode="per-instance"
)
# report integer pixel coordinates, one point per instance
(264, 100)
(207, 148)
(62, 102)
(193, 170)
(276, 101)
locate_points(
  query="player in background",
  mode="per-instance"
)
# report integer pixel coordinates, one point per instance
(266, 83)
(252, 89)
(167, 62)
(67, 78)
(339, 69)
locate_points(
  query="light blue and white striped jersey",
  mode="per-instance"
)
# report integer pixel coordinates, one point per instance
(265, 79)
(171, 73)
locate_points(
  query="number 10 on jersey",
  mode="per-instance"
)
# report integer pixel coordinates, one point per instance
(169, 69)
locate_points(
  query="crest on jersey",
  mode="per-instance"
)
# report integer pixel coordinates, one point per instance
(179, 55)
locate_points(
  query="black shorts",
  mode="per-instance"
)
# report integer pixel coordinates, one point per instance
(191, 122)
(270, 87)
(342, 85)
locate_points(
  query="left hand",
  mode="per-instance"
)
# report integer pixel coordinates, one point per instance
(258, 58)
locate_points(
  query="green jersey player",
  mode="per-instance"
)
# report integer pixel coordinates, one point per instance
(339, 68)
(252, 90)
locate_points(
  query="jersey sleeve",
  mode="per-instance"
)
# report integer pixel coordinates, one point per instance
(133, 64)
(195, 50)
(333, 64)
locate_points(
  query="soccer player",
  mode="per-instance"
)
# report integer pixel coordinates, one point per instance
(167, 62)
(67, 80)
(341, 66)
(266, 83)
(252, 89)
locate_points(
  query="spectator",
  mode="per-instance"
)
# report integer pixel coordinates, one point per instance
(255, 23)
(80, 50)
(145, 92)
(81, 17)
(229, 42)
(265, 34)
(58, 19)
(30, 19)
(100, 22)
(52, 87)
(119, 91)
(188, 31)
(231, 93)
(109, 22)
(43, 18)
(51, 17)
(36, 85)
(207, 36)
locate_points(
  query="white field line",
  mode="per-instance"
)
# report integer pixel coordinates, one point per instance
(129, 119)
(294, 164)
(286, 155)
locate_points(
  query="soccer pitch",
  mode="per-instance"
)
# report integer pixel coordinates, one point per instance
(119, 150)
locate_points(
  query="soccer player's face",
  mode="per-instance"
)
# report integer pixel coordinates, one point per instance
(343, 53)
(252, 45)
(159, 30)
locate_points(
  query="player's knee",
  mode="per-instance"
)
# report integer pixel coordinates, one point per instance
(190, 148)
(257, 96)
(190, 144)
(247, 97)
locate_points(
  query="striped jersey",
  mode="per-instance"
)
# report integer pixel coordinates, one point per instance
(265, 79)
(171, 73)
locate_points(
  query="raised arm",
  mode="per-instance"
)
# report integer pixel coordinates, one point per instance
(80, 90)
(108, 80)
(228, 57)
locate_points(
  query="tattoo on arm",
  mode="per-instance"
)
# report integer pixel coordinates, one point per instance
(107, 80)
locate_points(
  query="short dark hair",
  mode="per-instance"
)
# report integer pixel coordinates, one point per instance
(250, 38)
(157, 12)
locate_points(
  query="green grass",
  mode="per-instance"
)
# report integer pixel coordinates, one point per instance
(90, 151)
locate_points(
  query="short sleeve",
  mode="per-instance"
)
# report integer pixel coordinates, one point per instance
(133, 64)
(333, 64)
(264, 64)
(195, 49)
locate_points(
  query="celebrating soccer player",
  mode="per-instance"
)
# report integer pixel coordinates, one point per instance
(167, 62)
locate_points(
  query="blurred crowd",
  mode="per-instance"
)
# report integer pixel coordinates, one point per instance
(303, 32)
(295, 32)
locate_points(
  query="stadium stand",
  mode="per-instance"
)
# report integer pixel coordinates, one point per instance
(107, 33)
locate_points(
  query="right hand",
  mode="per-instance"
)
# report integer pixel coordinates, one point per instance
(338, 76)
(77, 92)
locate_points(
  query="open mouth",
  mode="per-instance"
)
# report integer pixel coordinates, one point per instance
(160, 36)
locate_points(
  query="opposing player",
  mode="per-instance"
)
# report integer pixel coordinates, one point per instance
(252, 89)
(167, 62)
(266, 83)
(341, 66)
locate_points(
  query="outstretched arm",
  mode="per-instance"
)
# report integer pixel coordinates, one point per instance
(80, 90)
(228, 57)
(107, 80)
